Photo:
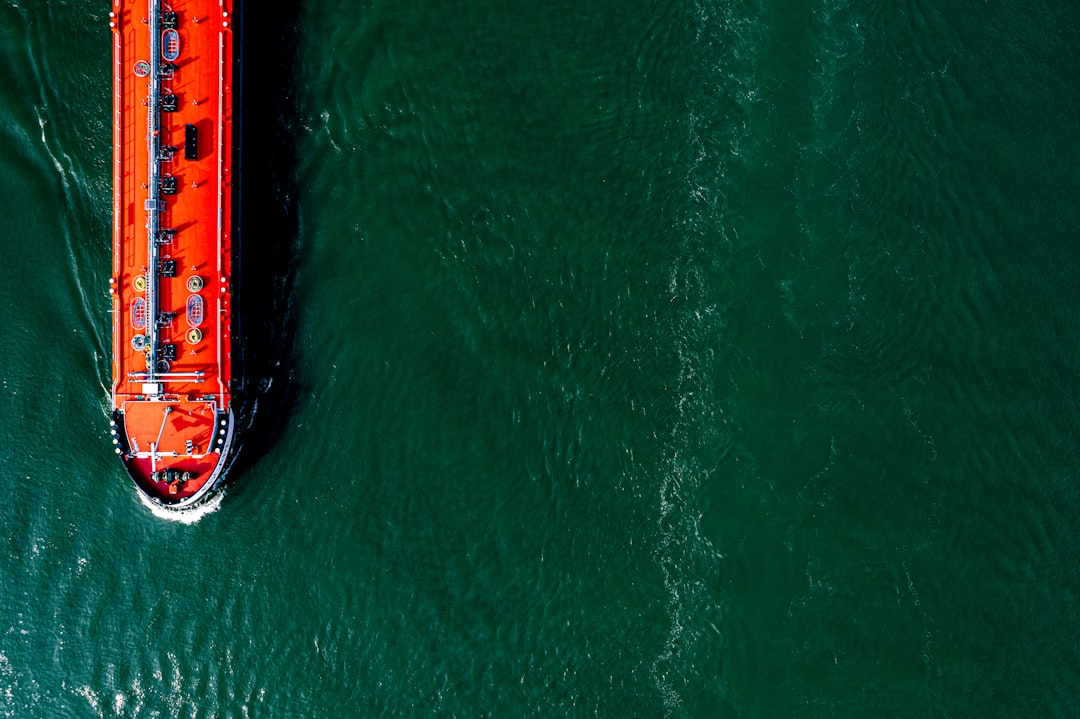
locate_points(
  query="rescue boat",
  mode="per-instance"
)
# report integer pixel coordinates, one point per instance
(173, 418)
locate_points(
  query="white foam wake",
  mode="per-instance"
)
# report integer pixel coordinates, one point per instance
(184, 516)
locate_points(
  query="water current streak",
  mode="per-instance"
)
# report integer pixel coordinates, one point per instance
(720, 88)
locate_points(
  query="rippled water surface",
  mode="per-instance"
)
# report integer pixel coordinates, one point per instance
(611, 359)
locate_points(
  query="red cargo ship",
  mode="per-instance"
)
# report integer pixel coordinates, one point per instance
(172, 410)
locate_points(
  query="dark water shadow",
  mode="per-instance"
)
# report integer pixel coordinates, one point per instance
(266, 239)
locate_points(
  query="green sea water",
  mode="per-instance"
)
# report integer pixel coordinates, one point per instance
(617, 359)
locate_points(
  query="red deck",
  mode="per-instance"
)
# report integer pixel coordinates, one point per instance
(172, 228)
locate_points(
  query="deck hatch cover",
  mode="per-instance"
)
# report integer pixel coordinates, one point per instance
(191, 142)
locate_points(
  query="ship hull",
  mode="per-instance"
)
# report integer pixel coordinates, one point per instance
(173, 422)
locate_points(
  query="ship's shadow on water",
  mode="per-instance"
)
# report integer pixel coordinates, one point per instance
(267, 231)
